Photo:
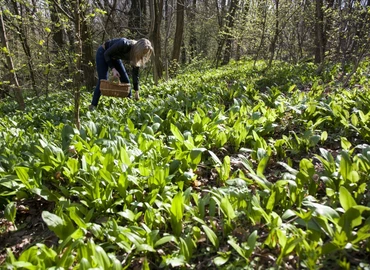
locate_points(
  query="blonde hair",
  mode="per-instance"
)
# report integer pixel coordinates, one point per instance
(140, 52)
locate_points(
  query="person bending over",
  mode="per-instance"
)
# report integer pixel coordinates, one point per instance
(112, 53)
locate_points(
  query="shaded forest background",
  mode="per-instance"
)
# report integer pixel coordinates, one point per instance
(50, 45)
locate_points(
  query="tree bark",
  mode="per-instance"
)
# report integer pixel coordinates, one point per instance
(193, 37)
(136, 22)
(276, 34)
(221, 13)
(319, 32)
(25, 44)
(180, 11)
(263, 35)
(87, 55)
(156, 18)
(14, 79)
(78, 55)
(230, 24)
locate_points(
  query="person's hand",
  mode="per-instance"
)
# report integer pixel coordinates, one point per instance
(137, 95)
(115, 73)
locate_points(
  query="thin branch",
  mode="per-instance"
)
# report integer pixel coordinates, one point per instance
(63, 11)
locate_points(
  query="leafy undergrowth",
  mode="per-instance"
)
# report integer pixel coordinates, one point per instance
(238, 167)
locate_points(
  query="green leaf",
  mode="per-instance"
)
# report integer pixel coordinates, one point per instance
(22, 173)
(237, 247)
(215, 158)
(176, 132)
(346, 199)
(221, 260)
(227, 208)
(127, 214)
(61, 227)
(322, 210)
(10, 211)
(346, 145)
(177, 212)
(211, 235)
(252, 239)
(345, 166)
(165, 239)
(262, 165)
(25, 265)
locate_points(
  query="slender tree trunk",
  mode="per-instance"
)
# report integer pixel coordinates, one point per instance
(276, 34)
(25, 45)
(221, 13)
(230, 24)
(180, 12)
(58, 36)
(319, 32)
(87, 55)
(156, 15)
(134, 22)
(78, 55)
(167, 27)
(263, 35)
(14, 79)
(193, 37)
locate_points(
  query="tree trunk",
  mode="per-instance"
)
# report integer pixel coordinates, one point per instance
(180, 11)
(135, 19)
(319, 32)
(14, 79)
(58, 36)
(25, 45)
(221, 13)
(156, 18)
(230, 24)
(78, 54)
(193, 37)
(87, 55)
(263, 35)
(276, 34)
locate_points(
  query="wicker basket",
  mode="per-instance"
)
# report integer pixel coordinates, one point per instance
(112, 89)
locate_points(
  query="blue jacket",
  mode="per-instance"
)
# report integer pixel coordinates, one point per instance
(119, 48)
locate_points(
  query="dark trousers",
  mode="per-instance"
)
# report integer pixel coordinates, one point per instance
(102, 69)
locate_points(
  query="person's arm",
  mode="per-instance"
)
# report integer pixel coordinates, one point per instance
(117, 47)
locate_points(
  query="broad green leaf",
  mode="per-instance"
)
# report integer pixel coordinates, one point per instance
(221, 260)
(237, 247)
(322, 210)
(61, 227)
(176, 132)
(346, 199)
(25, 265)
(346, 145)
(227, 208)
(22, 173)
(212, 237)
(74, 215)
(102, 257)
(262, 165)
(185, 249)
(127, 214)
(215, 158)
(345, 165)
(252, 239)
(10, 211)
(165, 239)
(54, 222)
(177, 212)
(175, 262)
